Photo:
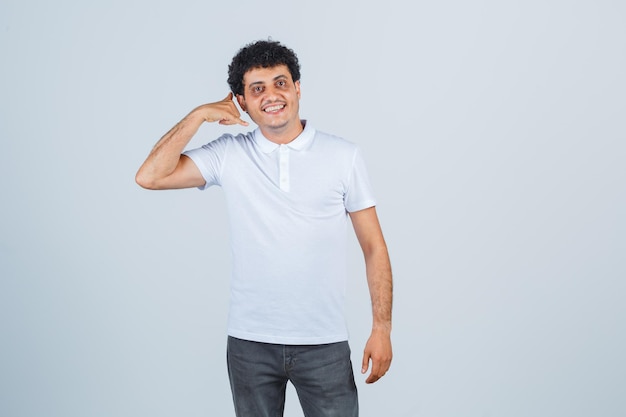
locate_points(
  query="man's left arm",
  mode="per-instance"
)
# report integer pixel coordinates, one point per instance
(378, 268)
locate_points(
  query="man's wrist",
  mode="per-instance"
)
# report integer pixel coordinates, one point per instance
(382, 327)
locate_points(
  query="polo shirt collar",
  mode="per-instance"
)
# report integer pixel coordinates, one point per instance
(298, 144)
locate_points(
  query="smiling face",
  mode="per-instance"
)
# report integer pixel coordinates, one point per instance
(272, 100)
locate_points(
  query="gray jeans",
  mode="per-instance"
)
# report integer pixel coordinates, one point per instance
(321, 374)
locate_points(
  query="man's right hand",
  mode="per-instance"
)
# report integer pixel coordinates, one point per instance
(225, 112)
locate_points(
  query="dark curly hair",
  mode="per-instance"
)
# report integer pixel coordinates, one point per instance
(261, 54)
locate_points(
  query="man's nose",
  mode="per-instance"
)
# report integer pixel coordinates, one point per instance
(271, 93)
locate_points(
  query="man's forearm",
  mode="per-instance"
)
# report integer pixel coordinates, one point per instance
(164, 157)
(380, 283)
(378, 348)
(377, 264)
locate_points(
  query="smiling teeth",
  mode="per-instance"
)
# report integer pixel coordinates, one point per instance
(274, 108)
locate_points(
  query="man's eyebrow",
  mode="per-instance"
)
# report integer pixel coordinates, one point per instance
(263, 82)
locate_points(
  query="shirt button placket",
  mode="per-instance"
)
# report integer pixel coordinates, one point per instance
(284, 167)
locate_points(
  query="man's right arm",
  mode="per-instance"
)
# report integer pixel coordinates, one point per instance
(165, 168)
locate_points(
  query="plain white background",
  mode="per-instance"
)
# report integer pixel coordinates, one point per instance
(494, 134)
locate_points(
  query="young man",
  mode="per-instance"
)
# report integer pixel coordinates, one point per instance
(289, 190)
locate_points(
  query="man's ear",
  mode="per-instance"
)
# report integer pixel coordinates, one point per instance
(297, 84)
(242, 102)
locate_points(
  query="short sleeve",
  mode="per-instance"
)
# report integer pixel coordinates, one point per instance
(210, 160)
(359, 194)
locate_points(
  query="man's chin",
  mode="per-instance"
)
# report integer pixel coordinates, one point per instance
(274, 124)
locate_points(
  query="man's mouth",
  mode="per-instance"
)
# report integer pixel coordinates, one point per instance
(273, 108)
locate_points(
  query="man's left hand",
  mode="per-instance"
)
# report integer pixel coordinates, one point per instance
(378, 351)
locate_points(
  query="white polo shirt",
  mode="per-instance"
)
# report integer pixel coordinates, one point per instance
(288, 208)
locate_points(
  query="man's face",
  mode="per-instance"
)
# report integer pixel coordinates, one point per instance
(271, 98)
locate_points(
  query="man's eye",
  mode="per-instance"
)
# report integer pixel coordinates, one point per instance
(281, 83)
(257, 89)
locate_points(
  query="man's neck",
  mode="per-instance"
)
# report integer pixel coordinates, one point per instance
(284, 134)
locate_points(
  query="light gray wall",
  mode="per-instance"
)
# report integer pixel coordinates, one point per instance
(495, 137)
